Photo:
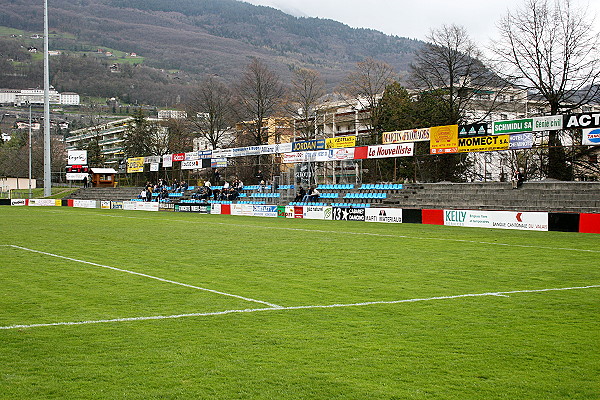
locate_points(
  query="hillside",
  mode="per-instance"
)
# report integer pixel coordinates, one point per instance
(215, 37)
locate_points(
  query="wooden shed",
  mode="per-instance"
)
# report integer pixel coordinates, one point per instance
(103, 177)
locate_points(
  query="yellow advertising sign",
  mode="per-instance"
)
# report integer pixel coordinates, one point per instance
(135, 164)
(339, 142)
(410, 135)
(443, 139)
(483, 143)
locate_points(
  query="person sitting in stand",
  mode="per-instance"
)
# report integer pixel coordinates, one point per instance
(306, 197)
(300, 195)
(216, 194)
(164, 193)
(315, 195)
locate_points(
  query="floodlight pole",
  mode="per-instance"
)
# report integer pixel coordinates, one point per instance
(47, 159)
(29, 149)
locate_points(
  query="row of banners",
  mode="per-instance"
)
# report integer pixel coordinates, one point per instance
(530, 221)
(501, 135)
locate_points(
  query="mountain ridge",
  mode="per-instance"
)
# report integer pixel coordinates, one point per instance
(213, 37)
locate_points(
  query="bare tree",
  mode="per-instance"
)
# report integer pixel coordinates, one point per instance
(306, 89)
(450, 66)
(210, 110)
(366, 85)
(550, 47)
(260, 93)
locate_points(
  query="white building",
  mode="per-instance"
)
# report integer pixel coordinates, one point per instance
(171, 114)
(69, 99)
(36, 96)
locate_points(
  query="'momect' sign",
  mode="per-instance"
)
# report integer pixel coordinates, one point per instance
(391, 150)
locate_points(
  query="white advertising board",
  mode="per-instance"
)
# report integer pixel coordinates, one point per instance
(84, 203)
(289, 211)
(194, 164)
(146, 206)
(215, 208)
(76, 157)
(317, 212)
(76, 176)
(130, 205)
(43, 202)
(167, 160)
(385, 215)
(18, 202)
(391, 150)
(531, 221)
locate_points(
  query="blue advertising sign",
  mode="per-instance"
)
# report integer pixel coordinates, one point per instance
(521, 141)
(308, 145)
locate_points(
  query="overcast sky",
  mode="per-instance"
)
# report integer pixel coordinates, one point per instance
(411, 18)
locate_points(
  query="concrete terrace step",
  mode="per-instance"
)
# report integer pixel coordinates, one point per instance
(532, 196)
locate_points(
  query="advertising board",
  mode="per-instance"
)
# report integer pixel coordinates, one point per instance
(85, 203)
(483, 143)
(146, 206)
(410, 135)
(116, 205)
(166, 207)
(135, 164)
(348, 214)
(443, 139)
(513, 126)
(591, 137)
(130, 205)
(531, 221)
(105, 205)
(191, 164)
(218, 162)
(76, 157)
(385, 215)
(195, 208)
(18, 202)
(307, 145)
(583, 120)
(264, 211)
(317, 212)
(341, 154)
(45, 202)
(167, 160)
(521, 141)
(391, 150)
(550, 123)
(76, 176)
(215, 208)
(339, 142)
(471, 130)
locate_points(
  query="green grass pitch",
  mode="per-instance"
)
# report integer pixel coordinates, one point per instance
(111, 304)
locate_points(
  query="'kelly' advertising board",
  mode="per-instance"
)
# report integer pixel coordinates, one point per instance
(531, 221)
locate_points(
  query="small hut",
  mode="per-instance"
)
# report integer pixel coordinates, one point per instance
(103, 177)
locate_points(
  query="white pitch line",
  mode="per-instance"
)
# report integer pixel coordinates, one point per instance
(146, 276)
(251, 310)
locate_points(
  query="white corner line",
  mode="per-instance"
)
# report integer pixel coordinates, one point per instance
(251, 310)
(145, 276)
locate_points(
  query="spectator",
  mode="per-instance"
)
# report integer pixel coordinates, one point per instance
(518, 179)
(259, 177)
(315, 195)
(306, 197)
(300, 195)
